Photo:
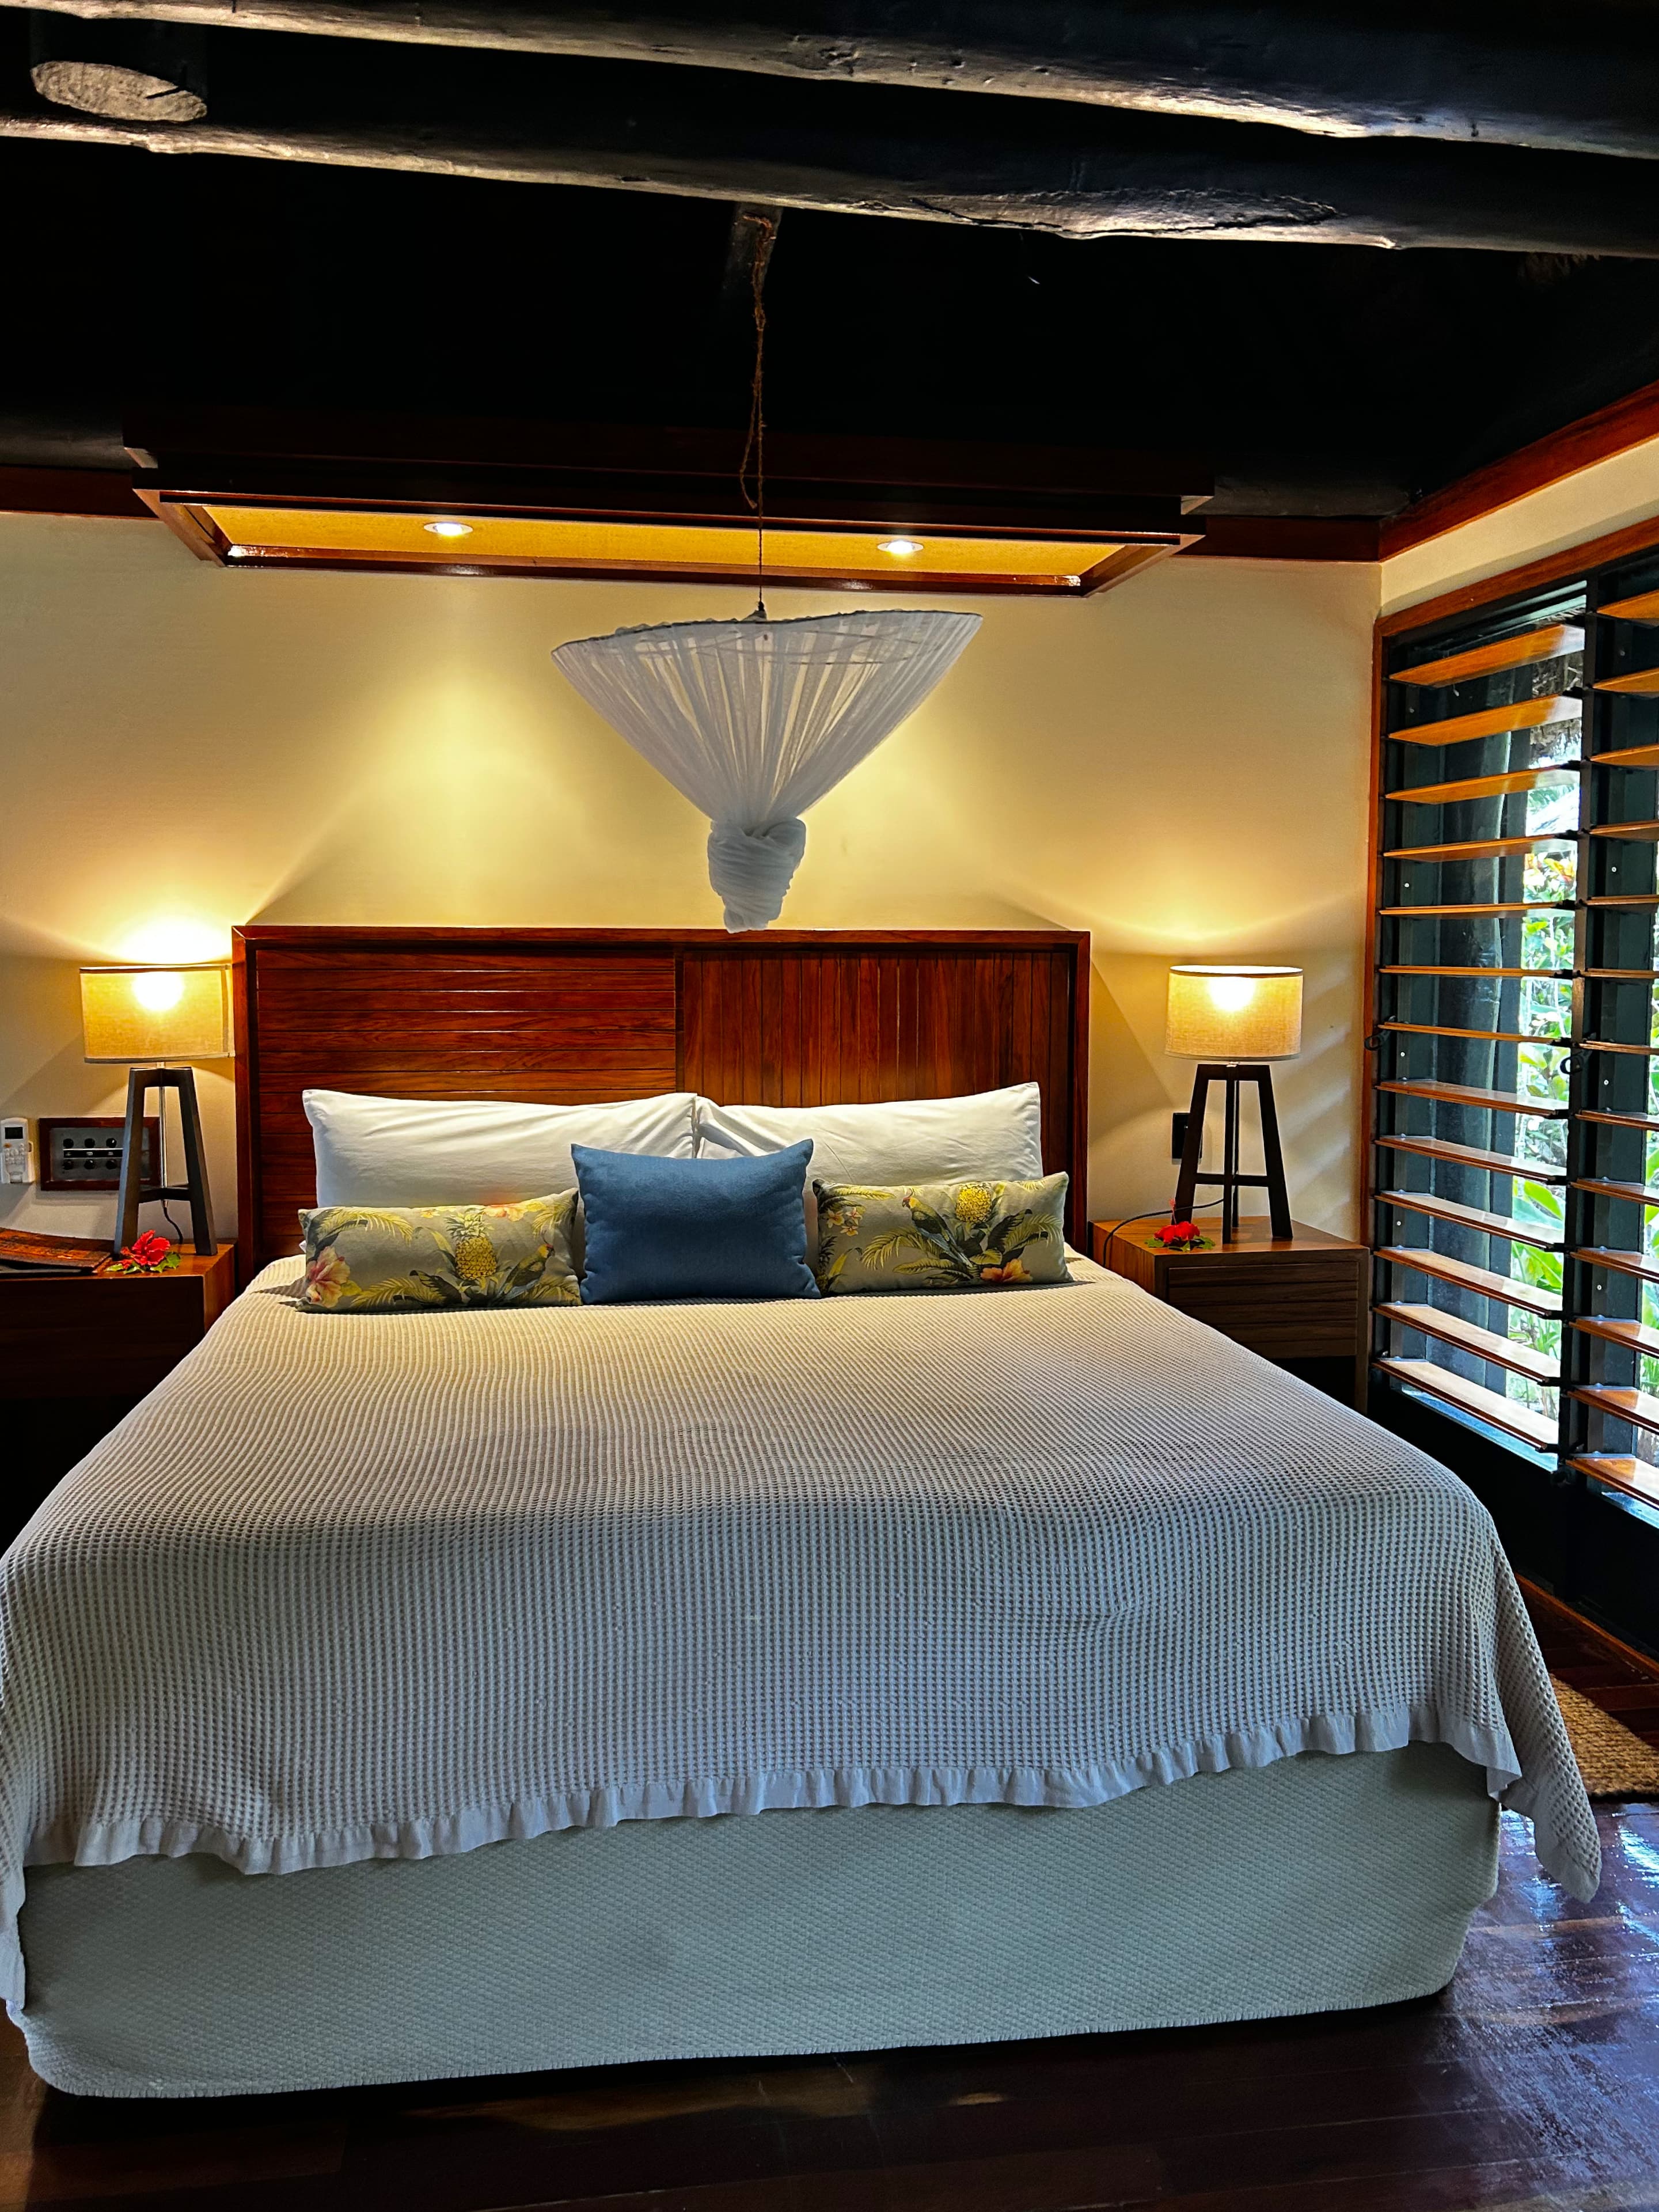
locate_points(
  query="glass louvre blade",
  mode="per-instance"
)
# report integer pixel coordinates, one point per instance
(1513, 939)
(1639, 1336)
(1508, 1164)
(1552, 783)
(1498, 1036)
(1638, 1407)
(1514, 649)
(1620, 1472)
(1500, 1228)
(1505, 1003)
(1500, 1351)
(1563, 714)
(1510, 906)
(1511, 1290)
(1608, 1259)
(1411, 968)
(1463, 1094)
(1641, 607)
(1547, 874)
(1529, 1425)
(1473, 848)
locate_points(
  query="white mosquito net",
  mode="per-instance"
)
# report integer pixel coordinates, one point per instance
(754, 721)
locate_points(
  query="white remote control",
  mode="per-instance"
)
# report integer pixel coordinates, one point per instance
(15, 1150)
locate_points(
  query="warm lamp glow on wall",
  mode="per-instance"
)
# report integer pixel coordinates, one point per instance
(1232, 1020)
(151, 1016)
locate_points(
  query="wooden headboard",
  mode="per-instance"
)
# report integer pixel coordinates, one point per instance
(796, 1017)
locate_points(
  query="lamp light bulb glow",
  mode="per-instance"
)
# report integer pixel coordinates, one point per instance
(900, 546)
(158, 991)
(450, 529)
(1234, 1013)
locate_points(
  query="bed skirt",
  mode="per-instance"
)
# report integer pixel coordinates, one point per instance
(1315, 1884)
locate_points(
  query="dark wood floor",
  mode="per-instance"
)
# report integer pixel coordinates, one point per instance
(1532, 2084)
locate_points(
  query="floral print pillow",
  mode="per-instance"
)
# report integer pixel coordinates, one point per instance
(386, 1258)
(941, 1236)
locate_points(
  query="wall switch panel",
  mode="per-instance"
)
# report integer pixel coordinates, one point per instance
(15, 1163)
(82, 1152)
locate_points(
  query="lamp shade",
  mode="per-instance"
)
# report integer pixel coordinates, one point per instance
(1235, 1013)
(155, 1013)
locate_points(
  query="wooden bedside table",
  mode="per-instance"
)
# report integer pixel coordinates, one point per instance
(1301, 1301)
(77, 1351)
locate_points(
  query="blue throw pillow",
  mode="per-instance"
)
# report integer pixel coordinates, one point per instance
(694, 1229)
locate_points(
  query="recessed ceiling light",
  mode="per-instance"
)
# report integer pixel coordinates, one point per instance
(900, 545)
(450, 529)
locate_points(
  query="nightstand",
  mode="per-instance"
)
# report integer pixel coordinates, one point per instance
(1301, 1301)
(77, 1351)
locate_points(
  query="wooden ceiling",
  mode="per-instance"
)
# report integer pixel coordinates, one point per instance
(1100, 224)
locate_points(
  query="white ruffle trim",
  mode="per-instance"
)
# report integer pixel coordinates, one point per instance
(107, 1843)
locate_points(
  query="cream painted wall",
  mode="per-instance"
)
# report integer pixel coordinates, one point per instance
(1179, 766)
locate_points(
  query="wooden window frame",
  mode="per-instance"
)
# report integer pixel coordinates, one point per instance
(1586, 1404)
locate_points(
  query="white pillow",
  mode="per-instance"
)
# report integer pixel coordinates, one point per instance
(995, 1133)
(443, 1152)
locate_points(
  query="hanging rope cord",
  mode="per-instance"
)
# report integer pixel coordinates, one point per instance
(752, 868)
(766, 231)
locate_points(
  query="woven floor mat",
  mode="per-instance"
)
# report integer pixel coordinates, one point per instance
(1613, 1762)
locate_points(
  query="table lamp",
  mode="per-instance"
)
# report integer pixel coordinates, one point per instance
(1232, 1021)
(150, 1016)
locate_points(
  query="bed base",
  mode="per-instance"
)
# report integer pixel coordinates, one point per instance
(1318, 1884)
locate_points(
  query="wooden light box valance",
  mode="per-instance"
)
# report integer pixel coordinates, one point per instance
(252, 490)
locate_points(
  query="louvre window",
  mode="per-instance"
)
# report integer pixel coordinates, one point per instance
(1515, 1136)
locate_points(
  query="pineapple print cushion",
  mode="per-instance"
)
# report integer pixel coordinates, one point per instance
(386, 1258)
(941, 1236)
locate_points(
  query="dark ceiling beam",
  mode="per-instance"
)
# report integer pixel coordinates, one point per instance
(1077, 172)
(70, 491)
(141, 70)
(1583, 80)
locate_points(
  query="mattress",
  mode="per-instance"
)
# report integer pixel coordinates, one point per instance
(1314, 1883)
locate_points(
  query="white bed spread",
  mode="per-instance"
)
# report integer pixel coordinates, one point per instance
(351, 1586)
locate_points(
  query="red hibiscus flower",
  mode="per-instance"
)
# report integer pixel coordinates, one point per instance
(149, 1255)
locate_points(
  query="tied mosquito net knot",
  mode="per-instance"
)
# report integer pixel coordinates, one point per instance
(753, 869)
(754, 721)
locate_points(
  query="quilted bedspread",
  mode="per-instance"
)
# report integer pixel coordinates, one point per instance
(370, 1585)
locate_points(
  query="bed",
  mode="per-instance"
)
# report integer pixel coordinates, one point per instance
(409, 1695)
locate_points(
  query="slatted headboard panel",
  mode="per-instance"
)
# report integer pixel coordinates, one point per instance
(797, 1018)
